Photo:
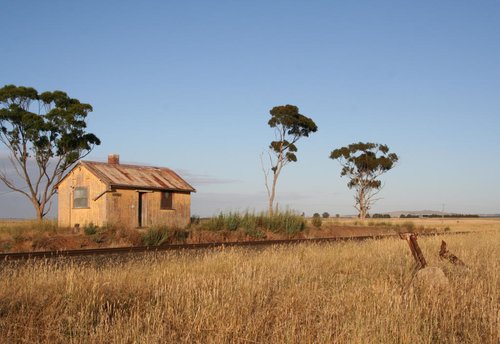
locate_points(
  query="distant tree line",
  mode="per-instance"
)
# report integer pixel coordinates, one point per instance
(381, 216)
(452, 215)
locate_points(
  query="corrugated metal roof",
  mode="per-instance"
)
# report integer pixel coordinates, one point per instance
(135, 176)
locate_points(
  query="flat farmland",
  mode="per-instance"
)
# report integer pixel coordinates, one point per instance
(452, 224)
(331, 293)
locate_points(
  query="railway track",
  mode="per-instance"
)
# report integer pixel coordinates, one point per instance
(178, 247)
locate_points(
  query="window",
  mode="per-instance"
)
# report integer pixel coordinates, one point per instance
(166, 200)
(80, 198)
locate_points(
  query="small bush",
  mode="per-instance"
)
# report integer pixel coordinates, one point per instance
(155, 236)
(325, 215)
(232, 221)
(287, 222)
(250, 222)
(90, 229)
(316, 221)
(293, 223)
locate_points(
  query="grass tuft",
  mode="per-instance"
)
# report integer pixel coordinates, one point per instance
(280, 222)
(155, 236)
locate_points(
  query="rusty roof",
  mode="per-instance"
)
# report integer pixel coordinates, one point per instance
(138, 177)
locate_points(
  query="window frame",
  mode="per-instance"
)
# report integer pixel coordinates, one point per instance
(169, 200)
(79, 188)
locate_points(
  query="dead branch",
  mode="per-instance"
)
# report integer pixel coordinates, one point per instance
(445, 254)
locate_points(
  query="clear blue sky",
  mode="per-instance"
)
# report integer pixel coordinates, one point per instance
(189, 85)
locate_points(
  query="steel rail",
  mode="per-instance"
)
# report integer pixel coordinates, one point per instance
(179, 247)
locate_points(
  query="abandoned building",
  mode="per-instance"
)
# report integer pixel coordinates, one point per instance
(111, 193)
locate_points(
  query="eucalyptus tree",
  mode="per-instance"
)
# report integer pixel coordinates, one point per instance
(45, 134)
(363, 164)
(289, 127)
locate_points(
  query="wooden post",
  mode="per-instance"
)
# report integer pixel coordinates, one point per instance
(411, 239)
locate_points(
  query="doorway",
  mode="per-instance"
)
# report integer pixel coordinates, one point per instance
(142, 209)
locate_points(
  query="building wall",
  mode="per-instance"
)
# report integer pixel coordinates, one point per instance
(96, 211)
(123, 209)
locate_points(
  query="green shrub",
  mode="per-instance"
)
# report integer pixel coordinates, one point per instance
(90, 229)
(155, 236)
(292, 223)
(287, 221)
(232, 221)
(251, 222)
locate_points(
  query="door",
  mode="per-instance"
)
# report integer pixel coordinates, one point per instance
(142, 216)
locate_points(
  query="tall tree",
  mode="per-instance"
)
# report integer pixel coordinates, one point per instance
(289, 126)
(45, 135)
(363, 163)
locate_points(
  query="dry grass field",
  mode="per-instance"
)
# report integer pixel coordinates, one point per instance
(453, 224)
(336, 293)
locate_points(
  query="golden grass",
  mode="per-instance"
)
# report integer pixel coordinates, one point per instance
(13, 227)
(339, 293)
(454, 224)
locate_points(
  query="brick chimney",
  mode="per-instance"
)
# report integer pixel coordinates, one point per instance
(114, 159)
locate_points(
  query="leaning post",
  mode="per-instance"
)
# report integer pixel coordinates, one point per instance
(411, 239)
